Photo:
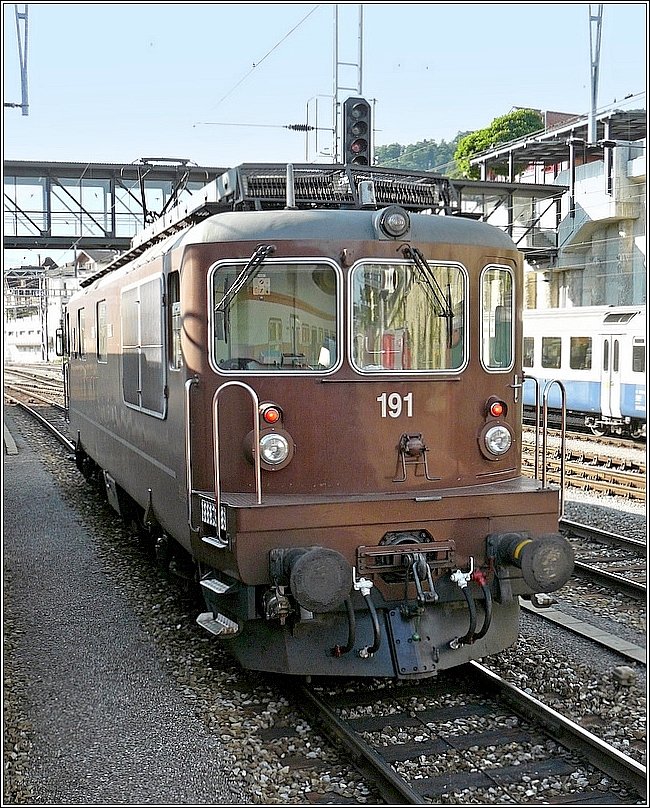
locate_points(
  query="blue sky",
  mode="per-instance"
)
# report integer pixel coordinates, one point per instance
(117, 82)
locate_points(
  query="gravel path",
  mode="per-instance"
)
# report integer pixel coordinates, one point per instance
(104, 721)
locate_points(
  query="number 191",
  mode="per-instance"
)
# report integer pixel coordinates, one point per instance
(394, 405)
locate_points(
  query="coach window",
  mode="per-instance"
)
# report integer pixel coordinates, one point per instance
(406, 320)
(638, 355)
(174, 321)
(529, 352)
(102, 341)
(497, 333)
(551, 352)
(143, 369)
(580, 353)
(267, 322)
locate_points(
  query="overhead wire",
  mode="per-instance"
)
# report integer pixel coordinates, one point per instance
(266, 55)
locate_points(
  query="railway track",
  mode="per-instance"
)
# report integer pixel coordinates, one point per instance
(585, 474)
(608, 559)
(437, 742)
(469, 766)
(50, 415)
(44, 379)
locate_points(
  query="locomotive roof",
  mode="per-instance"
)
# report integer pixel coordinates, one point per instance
(310, 225)
(267, 201)
(354, 225)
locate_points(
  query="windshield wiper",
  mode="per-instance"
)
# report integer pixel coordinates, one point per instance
(247, 274)
(427, 276)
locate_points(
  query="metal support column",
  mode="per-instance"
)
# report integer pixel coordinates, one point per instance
(595, 30)
(357, 87)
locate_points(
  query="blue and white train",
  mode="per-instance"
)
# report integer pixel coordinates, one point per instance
(599, 355)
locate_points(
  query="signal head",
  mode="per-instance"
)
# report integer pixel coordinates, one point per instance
(357, 132)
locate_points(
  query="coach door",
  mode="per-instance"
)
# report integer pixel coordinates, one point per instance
(610, 386)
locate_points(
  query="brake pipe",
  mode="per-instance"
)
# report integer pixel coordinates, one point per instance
(461, 579)
(339, 650)
(364, 586)
(480, 579)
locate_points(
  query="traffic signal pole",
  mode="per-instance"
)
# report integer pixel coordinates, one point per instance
(353, 69)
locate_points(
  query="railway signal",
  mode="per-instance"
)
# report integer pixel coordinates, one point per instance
(357, 131)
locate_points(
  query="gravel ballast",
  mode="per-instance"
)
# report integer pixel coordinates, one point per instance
(114, 695)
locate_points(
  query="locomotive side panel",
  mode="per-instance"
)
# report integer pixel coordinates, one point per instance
(127, 401)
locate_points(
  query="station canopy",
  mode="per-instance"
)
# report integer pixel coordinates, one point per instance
(553, 146)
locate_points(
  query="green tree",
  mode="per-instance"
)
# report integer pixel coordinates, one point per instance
(426, 155)
(516, 124)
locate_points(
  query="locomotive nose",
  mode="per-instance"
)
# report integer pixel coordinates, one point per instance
(546, 561)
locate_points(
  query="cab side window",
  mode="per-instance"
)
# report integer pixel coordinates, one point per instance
(81, 329)
(497, 332)
(174, 321)
(143, 368)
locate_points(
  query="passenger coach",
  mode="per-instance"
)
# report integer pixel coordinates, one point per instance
(599, 355)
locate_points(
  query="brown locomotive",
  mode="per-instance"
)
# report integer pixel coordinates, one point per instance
(309, 384)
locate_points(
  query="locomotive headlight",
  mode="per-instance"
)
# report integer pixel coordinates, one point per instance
(498, 440)
(274, 448)
(393, 221)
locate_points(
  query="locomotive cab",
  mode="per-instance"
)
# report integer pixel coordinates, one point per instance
(335, 437)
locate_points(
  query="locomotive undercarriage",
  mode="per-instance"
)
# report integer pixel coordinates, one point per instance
(406, 606)
(400, 640)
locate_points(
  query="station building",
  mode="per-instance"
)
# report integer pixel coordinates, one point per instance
(590, 248)
(34, 299)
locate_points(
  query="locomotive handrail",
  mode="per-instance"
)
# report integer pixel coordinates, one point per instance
(256, 444)
(188, 451)
(537, 408)
(65, 371)
(547, 387)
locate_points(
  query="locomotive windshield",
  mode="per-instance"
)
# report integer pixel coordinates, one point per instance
(398, 324)
(284, 317)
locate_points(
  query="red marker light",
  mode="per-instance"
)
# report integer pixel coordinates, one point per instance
(496, 409)
(271, 415)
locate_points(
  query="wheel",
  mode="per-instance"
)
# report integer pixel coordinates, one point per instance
(637, 432)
